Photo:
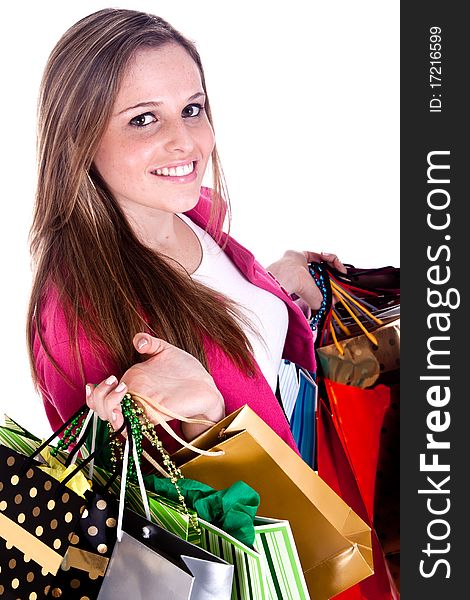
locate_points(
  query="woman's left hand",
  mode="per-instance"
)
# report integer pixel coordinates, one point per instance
(292, 273)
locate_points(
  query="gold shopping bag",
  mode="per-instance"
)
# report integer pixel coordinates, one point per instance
(333, 542)
(361, 362)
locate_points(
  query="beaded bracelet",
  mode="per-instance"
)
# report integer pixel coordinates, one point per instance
(319, 275)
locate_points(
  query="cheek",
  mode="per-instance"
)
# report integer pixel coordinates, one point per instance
(208, 138)
(117, 154)
(105, 156)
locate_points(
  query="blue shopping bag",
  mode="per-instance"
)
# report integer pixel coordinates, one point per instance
(298, 394)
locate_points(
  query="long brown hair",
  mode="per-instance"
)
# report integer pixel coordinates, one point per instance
(80, 237)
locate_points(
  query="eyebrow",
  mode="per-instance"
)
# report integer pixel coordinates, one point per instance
(153, 103)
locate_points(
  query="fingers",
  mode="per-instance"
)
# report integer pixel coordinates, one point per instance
(105, 399)
(313, 256)
(334, 261)
(328, 257)
(147, 344)
(309, 291)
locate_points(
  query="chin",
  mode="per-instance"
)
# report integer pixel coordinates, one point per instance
(191, 198)
(184, 201)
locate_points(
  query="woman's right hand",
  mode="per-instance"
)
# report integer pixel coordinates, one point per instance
(105, 399)
(170, 377)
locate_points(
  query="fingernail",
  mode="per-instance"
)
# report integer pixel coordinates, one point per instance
(141, 343)
(88, 391)
(111, 379)
(120, 387)
(113, 416)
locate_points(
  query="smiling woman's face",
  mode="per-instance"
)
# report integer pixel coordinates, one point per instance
(158, 141)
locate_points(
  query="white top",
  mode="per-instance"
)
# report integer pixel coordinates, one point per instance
(265, 311)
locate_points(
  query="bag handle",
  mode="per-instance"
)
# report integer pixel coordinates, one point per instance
(72, 457)
(345, 298)
(75, 417)
(332, 286)
(92, 455)
(168, 412)
(122, 493)
(68, 426)
(73, 454)
(160, 409)
(129, 448)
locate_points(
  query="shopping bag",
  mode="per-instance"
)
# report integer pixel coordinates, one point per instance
(297, 393)
(355, 302)
(164, 512)
(387, 491)
(358, 415)
(360, 363)
(333, 542)
(302, 422)
(38, 516)
(82, 570)
(335, 468)
(95, 536)
(150, 562)
(288, 385)
(91, 542)
(271, 569)
(147, 559)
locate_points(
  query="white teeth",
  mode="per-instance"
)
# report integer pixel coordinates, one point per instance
(176, 171)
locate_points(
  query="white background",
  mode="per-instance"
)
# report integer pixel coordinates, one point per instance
(305, 99)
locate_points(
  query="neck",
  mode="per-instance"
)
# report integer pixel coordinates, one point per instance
(168, 235)
(156, 229)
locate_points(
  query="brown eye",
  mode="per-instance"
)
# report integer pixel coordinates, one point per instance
(192, 110)
(143, 120)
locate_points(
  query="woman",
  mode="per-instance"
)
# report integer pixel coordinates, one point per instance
(136, 286)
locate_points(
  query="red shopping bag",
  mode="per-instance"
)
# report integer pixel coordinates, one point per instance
(347, 462)
(358, 415)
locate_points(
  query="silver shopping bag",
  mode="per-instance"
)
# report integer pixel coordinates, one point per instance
(150, 563)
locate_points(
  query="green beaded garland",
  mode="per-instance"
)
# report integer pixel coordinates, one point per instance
(140, 426)
(70, 434)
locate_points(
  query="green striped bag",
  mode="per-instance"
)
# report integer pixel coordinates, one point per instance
(164, 512)
(269, 571)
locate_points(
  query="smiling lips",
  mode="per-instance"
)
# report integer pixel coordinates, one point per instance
(179, 171)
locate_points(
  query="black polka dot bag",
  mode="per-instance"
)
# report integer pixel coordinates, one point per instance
(54, 543)
(38, 516)
(81, 572)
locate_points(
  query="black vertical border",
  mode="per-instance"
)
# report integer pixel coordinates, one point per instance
(422, 132)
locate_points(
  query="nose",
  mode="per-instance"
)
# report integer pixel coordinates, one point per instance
(178, 136)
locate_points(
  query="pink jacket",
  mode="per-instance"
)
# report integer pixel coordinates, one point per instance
(61, 399)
